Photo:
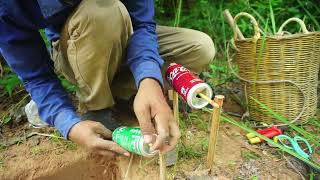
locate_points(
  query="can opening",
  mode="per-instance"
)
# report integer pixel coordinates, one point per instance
(146, 151)
(202, 92)
(198, 99)
(194, 100)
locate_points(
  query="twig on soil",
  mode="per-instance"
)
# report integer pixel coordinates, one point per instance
(129, 167)
(293, 167)
(148, 162)
(19, 139)
(233, 114)
(14, 107)
(46, 135)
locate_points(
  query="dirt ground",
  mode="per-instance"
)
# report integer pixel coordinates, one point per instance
(45, 158)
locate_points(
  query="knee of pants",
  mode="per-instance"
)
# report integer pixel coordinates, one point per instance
(108, 19)
(205, 51)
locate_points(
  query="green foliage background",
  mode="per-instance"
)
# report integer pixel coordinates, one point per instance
(207, 15)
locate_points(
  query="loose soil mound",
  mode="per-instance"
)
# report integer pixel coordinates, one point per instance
(45, 159)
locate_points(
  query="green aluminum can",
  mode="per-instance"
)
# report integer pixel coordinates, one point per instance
(130, 138)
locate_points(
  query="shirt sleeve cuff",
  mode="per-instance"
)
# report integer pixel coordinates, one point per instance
(65, 120)
(147, 69)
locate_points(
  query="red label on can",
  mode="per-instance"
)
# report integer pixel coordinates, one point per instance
(181, 79)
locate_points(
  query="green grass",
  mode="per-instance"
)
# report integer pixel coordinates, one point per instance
(232, 165)
(178, 14)
(311, 16)
(6, 116)
(1, 162)
(68, 86)
(192, 123)
(38, 150)
(58, 140)
(9, 82)
(313, 138)
(188, 152)
(218, 73)
(11, 89)
(206, 15)
(270, 141)
(247, 155)
(273, 21)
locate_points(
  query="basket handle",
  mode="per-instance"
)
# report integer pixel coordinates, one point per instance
(254, 23)
(299, 21)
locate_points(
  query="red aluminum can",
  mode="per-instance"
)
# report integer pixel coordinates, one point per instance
(188, 85)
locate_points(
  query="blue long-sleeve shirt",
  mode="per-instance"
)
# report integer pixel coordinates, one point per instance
(24, 50)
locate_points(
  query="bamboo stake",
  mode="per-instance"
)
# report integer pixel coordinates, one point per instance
(230, 20)
(163, 170)
(175, 98)
(163, 162)
(176, 106)
(170, 94)
(214, 128)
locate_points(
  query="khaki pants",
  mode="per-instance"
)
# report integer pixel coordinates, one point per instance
(92, 48)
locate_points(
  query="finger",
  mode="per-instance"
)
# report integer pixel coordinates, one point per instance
(103, 131)
(110, 146)
(162, 130)
(174, 133)
(166, 148)
(174, 138)
(146, 126)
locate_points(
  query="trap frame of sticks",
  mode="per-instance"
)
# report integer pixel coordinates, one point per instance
(214, 129)
(213, 136)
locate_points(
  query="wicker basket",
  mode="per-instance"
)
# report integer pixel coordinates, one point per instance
(280, 71)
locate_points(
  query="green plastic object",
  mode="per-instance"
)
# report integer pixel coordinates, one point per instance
(294, 142)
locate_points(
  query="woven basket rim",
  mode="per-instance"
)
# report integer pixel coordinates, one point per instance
(281, 37)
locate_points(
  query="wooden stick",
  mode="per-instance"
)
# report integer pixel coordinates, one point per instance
(163, 162)
(210, 101)
(214, 128)
(170, 94)
(230, 20)
(176, 106)
(129, 167)
(163, 170)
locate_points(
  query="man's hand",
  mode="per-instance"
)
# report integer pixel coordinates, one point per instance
(150, 104)
(95, 137)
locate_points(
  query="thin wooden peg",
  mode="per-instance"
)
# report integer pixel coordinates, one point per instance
(176, 106)
(163, 161)
(126, 176)
(170, 94)
(214, 128)
(163, 170)
(210, 101)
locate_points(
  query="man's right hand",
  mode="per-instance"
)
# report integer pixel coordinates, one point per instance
(96, 138)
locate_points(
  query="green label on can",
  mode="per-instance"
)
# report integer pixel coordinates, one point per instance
(130, 138)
